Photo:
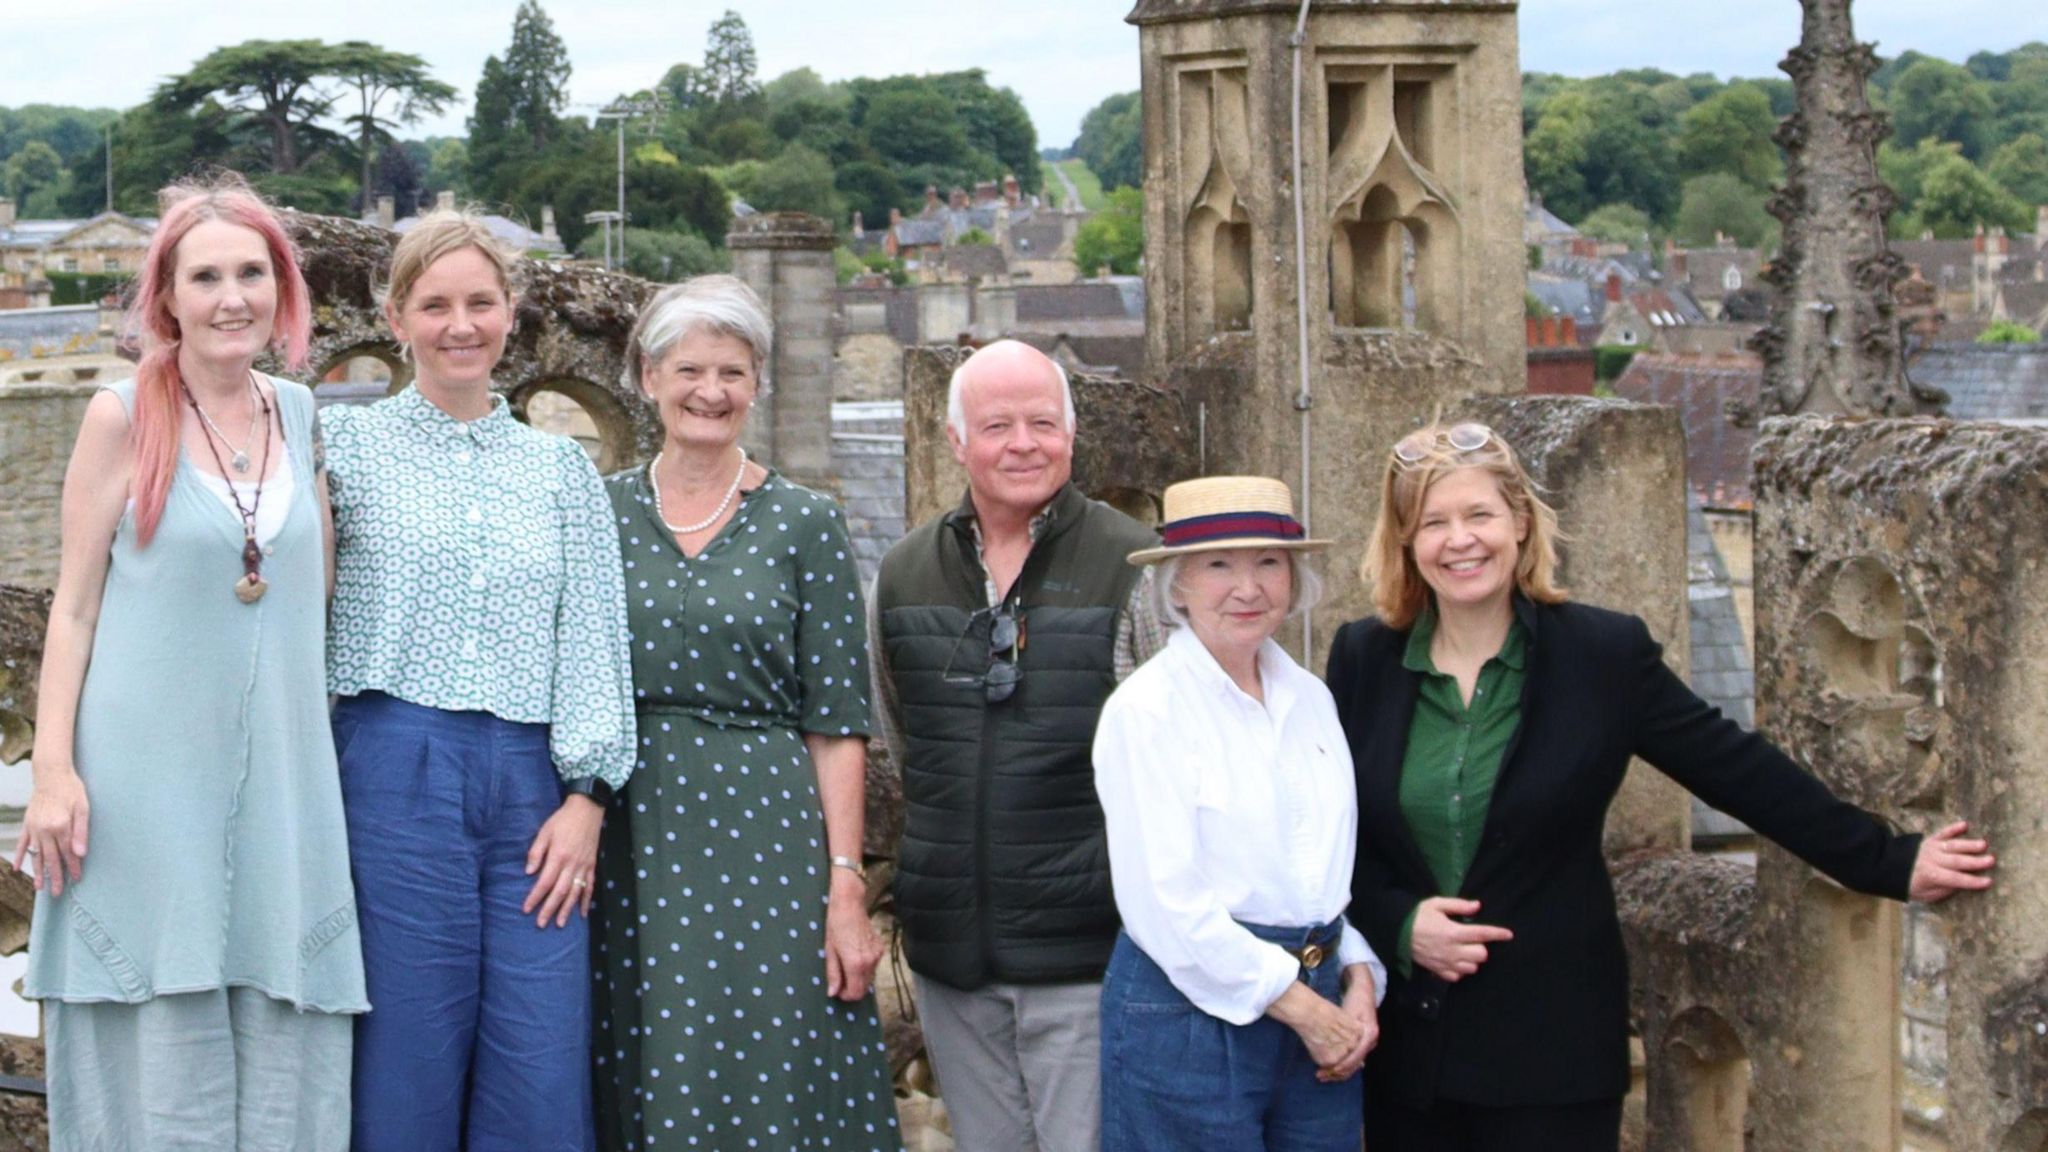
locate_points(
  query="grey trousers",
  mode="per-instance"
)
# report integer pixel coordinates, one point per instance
(230, 1070)
(1018, 1065)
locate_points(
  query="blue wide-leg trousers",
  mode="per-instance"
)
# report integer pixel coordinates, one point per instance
(477, 1038)
(1176, 1079)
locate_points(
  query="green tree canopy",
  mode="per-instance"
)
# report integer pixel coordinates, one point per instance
(2021, 168)
(35, 170)
(2008, 332)
(275, 83)
(536, 70)
(1934, 99)
(1722, 204)
(391, 89)
(1112, 141)
(798, 180)
(1114, 237)
(1618, 224)
(1956, 197)
(663, 257)
(1730, 132)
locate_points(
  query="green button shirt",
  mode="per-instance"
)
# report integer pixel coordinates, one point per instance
(1453, 757)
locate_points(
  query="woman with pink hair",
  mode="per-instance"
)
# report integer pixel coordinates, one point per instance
(200, 967)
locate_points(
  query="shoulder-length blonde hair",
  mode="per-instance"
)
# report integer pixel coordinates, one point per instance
(1399, 593)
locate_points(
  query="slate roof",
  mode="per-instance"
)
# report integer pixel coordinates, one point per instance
(43, 233)
(1701, 387)
(1706, 269)
(1541, 223)
(1038, 238)
(1667, 307)
(1987, 381)
(1573, 298)
(1084, 300)
(867, 460)
(1721, 671)
(920, 232)
(2026, 302)
(507, 231)
(1942, 263)
(974, 260)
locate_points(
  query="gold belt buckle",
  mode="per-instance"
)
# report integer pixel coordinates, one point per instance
(1311, 956)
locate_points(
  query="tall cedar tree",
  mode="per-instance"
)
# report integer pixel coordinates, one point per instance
(392, 88)
(275, 82)
(537, 64)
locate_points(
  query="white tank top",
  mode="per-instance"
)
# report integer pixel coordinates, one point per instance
(277, 495)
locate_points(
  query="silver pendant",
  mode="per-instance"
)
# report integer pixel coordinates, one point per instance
(240, 462)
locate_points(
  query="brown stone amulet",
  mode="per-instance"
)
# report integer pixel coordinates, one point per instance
(249, 589)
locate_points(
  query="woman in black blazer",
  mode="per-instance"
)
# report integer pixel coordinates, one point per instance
(1490, 722)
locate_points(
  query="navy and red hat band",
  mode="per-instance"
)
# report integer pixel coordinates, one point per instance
(1230, 526)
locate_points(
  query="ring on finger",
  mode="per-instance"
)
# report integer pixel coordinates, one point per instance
(579, 882)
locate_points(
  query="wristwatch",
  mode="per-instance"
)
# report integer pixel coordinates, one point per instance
(592, 786)
(851, 865)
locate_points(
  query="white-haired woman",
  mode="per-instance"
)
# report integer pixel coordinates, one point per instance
(734, 952)
(1239, 1004)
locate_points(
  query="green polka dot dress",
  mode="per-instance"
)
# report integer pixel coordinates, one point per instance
(713, 1030)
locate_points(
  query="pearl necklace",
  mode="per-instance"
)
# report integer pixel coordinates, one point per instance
(654, 484)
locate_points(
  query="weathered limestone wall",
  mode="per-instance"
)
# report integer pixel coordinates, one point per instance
(786, 257)
(38, 424)
(1902, 655)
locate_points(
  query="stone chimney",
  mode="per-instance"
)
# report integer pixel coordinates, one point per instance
(957, 199)
(2041, 228)
(1012, 194)
(387, 211)
(1614, 287)
(444, 201)
(6, 212)
(547, 223)
(1003, 224)
(895, 217)
(859, 229)
(931, 199)
(1569, 331)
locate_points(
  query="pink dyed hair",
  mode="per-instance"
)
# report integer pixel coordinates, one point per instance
(159, 388)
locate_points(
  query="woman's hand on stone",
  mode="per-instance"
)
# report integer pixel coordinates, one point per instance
(563, 862)
(852, 947)
(1444, 941)
(1948, 864)
(55, 828)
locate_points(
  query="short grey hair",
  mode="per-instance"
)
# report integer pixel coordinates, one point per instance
(715, 303)
(956, 408)
(1303, 579)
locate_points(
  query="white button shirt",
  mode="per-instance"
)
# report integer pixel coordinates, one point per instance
(1220, 810)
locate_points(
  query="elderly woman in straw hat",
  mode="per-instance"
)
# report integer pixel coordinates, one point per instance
(1239, 1005)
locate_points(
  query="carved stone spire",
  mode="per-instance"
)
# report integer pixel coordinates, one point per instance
(1833, 342)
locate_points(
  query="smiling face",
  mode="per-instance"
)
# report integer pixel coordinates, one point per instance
(1467, 542)
(1234, 597)
(223, 293)
(1018, 449)
(703, 386)
(455, 317)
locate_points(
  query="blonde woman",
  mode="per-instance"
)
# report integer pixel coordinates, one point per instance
(484, 718)
(1491, 721)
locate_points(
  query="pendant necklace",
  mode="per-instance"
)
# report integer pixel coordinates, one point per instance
(251, 587)
(240, 459)
(654, 483)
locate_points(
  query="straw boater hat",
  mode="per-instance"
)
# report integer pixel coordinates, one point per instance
(1218, 512)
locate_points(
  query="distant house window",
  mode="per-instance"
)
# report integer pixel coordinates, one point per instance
(67, 264)
(1731, 280)
(111, 264)
(1628, 335)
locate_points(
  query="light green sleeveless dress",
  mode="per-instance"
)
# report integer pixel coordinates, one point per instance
(216, 888)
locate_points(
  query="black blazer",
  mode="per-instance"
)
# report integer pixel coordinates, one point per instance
(1545, 1020)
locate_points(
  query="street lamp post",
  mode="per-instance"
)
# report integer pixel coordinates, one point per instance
(623, 110)
(604, 217)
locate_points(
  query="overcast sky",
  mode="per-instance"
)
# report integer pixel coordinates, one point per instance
(1061, 56)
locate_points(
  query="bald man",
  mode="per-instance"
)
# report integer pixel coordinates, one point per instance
(998, 630)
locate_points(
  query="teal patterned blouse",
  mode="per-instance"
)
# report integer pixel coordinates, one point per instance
(476, 569)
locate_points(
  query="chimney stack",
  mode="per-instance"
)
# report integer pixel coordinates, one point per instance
(387, 211)
(931, 199)
(859, 229)
(444, 201)
(2041, 228)
(1614, 287)
(6, 212)
(1011, 192)
(895, 217)
(547, 223)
